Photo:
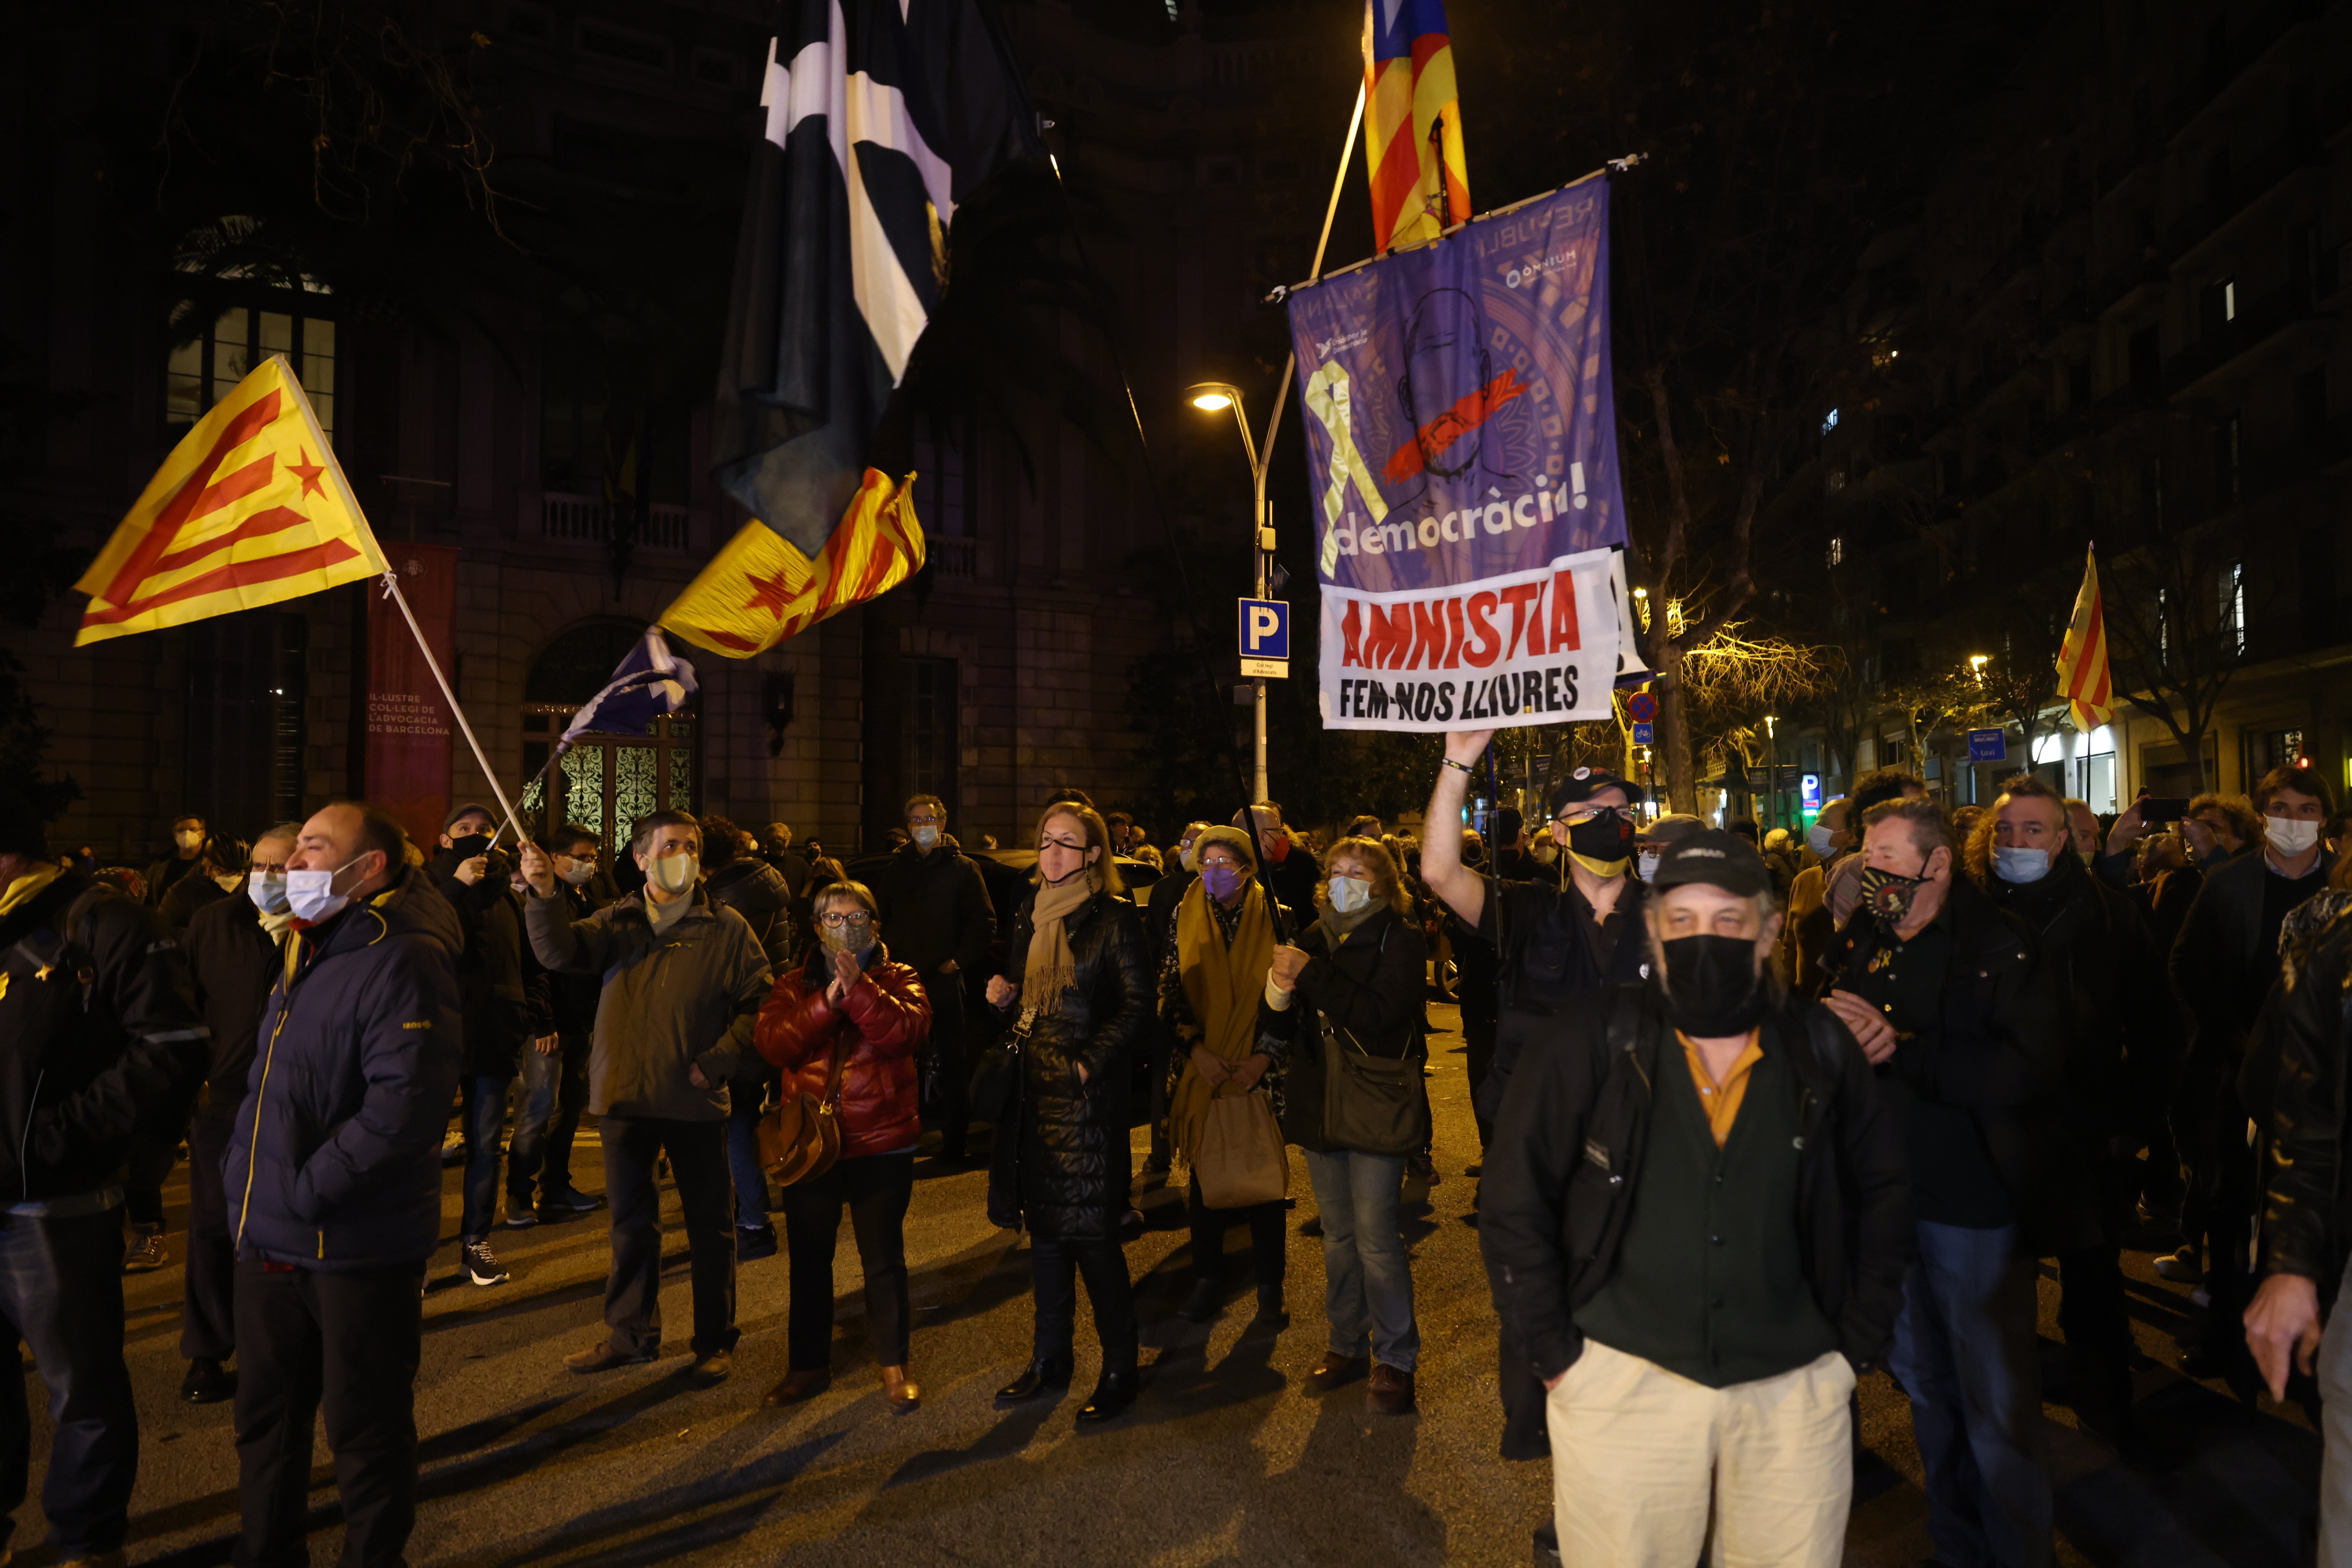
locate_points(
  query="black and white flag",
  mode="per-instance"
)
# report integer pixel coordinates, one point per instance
(882, 116)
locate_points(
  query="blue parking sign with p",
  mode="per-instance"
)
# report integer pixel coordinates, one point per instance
(1265, 638)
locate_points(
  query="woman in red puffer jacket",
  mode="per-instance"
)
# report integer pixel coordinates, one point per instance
(851, 1001)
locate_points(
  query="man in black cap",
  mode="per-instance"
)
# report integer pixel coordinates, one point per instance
(1696, 1223)
(1554, 941)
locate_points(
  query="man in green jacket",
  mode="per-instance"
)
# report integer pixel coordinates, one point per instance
(684, 978)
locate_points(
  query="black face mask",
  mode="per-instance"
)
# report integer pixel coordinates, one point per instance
(1712, 985)
(1607, 837)
(473, 843)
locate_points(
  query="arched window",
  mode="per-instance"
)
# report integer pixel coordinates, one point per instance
(604, 782)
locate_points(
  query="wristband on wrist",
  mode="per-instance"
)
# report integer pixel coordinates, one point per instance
(1464, 767)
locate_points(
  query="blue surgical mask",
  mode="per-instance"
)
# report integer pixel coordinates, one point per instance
(1645, 863)
(1817, 839)
(2020, 866)
(268, 892)
(926, 837)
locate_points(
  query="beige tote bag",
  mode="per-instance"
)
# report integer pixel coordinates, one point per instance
(1242, 1158)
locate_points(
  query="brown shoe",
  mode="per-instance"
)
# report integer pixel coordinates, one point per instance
(1335, 1370)
(602, 1358)
(902, 1394)
(798, 1386)
(1392, 1392)
(711, 1371)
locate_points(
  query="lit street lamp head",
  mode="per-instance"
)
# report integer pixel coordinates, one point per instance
(1212, 402)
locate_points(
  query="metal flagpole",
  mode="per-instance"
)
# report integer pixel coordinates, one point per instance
(392, 591)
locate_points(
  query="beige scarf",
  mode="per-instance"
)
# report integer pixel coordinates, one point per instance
(1224, 986)
(1052, 969)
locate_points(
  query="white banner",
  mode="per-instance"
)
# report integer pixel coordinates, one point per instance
(1533, 648)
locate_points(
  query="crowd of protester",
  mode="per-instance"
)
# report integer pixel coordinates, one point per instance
(1755, 1117)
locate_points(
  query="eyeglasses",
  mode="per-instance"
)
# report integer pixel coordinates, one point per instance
(925, 821)
(1226, 861)
(1575, 816)
(839, 919)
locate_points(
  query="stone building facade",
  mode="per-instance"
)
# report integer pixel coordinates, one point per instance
(1002, 673)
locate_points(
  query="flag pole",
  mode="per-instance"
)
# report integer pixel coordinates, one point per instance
(392, 591)
(1290, 364)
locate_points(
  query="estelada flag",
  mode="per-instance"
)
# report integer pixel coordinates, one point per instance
(251, 508)
(1413, 123)
(2082, 657)
(761, 589)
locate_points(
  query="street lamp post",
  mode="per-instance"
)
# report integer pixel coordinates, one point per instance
(1215, 397)
(1772, 778)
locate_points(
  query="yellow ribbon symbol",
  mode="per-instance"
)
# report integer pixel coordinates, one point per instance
(1328, 398)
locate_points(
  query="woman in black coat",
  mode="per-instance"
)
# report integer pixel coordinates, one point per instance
(1359, 968)
(1084, 987)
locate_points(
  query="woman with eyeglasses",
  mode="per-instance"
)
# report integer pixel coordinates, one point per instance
(846, 1021)
(1212, 978)
(1354, 977)
(1079, 974)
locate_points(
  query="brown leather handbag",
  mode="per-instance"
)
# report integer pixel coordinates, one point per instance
(799, 1137)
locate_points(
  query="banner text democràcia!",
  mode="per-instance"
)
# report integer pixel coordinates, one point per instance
(1470, 525)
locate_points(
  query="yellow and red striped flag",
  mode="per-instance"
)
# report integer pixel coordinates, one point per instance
(1413, 123)
(761, 589)
(251, 508)
(2082, 657)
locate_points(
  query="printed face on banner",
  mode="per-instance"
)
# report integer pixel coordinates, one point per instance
(1463, 457)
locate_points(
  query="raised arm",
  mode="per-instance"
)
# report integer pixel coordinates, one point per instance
(1442, 871)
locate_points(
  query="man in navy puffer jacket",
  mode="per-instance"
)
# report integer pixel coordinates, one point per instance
(333, 1183)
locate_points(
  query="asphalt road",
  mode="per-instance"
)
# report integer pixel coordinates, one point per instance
(1225, 1458)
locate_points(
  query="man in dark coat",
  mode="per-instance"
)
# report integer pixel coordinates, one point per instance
(1696, 1226)
(2122, 1041)
(100, 1043)
(191, 851)
(1944, 991)
(1286, 868)
(754, 890)
(237, 951)
(333, 1181)
(555, 1081)
(504, 994)
(2223, 964)
(937, 908)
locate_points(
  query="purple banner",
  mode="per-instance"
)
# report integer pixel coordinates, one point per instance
(1462, 444)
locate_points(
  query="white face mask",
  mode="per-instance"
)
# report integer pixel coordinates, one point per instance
(579, 871)
(2019, 865)
(188, 837)
(1645, 863)
(312, 893)
(2290, 836)
(268, 892)
(226, 880)
(926, 837)
(1184, 859)
(1817, 839)
(1349, 894)
(674, 873)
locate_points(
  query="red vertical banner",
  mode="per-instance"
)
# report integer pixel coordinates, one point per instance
(408, 721)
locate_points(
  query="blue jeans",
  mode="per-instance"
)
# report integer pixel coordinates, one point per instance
(1367, 1273)
(486, 1118)
(61, 1295)
(1965, 1351)
(555, 1092)
(746, 1094)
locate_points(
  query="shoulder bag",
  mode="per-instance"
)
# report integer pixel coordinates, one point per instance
(1242, 1160)
(799, 1137)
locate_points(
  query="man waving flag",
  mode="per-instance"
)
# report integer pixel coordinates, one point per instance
(883, 115)
(249, 510)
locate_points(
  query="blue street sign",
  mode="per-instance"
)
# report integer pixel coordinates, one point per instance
(1988, 746)
(1642, 735)
(1265, 638)
(1809, 792)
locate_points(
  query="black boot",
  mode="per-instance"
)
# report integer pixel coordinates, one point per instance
(1052, 1373)
(207, 1383)
(1201, 1306)
(1114, 1394)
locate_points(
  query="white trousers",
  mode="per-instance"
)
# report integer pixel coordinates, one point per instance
(1650, 1469)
